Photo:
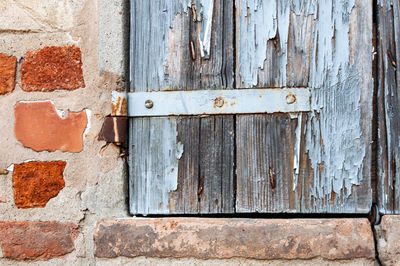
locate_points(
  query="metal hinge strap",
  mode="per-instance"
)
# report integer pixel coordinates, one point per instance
(211, 102)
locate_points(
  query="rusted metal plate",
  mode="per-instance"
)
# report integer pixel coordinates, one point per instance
(119, 103)
(208, 102)
(115, 130)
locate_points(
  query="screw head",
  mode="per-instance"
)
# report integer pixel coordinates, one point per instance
(290, 98)
(219, 102)
(148, 104)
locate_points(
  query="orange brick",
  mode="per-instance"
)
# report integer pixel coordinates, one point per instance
(8, 66)
(38, 126)
(52, 68)
(35, 183)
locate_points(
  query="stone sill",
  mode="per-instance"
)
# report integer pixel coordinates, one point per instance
(222, 238)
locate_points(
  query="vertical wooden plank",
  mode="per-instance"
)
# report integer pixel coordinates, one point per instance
(265, 149)
(212, 71)
(388, 49)
(272, 37)
(169, 51)
(325, 45)
(149, 25)
(185, 198)
(216, 187)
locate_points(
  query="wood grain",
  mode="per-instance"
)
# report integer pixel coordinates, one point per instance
(166, 55)
(324, 45)
(388, 102)
(265, 147)
(316, 162)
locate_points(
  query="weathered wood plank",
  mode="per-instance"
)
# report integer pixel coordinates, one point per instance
(388, 101)
(170, 41)
(327, 46)
(213, 69)
(216, 182)
(185, 198)
(264, 151)
(149, 27)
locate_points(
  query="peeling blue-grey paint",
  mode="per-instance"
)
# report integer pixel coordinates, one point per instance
(296, 160)
(260, 18)
(147, 38)
(159, 168)
(261, 21)
(333, 132)
(207, 7)
(333, 135)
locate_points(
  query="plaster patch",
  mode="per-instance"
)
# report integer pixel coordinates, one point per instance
(89, 122)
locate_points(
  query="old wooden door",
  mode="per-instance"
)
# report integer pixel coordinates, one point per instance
(306, 162)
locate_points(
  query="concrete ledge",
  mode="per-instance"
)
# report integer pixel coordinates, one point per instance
(207, 238)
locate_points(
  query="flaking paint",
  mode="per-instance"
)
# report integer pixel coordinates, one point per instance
(161, 162)
(333, 134)
(262, 25)
(335, 104)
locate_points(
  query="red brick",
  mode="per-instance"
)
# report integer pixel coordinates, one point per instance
(38, 126)
(29, 240)
(206, 238)
(35, 183)
(8, 66)
(52, 68)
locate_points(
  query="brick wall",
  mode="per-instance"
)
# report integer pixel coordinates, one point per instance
(63, 191)
(60, 178)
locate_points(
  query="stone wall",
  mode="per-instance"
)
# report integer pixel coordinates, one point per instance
(63, 191)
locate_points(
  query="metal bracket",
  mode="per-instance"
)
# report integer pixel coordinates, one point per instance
(115, 126)
(212, 102)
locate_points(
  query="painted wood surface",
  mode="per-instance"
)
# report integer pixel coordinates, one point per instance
(186, 46)
(327, 46)
(317, 161)
(388, 105)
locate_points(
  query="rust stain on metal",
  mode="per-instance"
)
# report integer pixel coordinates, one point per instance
(291, 98)
(115, 130)
(219, 102)
(119, 107)
(149, 104)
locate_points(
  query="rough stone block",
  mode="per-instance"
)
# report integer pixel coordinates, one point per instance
(388, 240)
(207, 238)
(52, 68)
(39, 127)
(35, 183)
(8, 66)
(27, 240)
(38, 15)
